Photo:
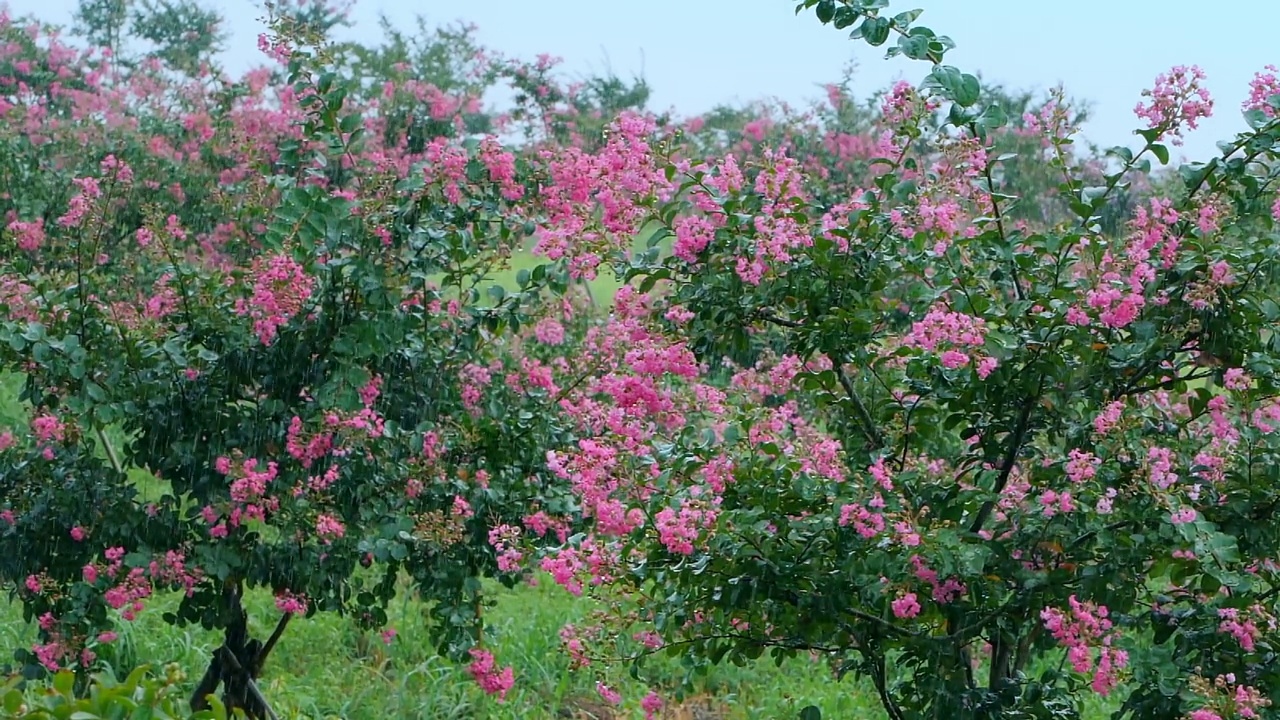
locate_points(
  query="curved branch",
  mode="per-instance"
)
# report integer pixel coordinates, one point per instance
(867, 423)
(1010, 456)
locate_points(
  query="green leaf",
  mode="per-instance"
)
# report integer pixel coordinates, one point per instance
(826, 11)
(811, 712)
(875, 30)
(904, 19)
(136, 677)
(1255, 118)
(1084, 210)
(1194, 173)
(1093, 195)
(350, 123)
(1161, 152)
(958, 115)
(994, 117)
(963, 88)
(1122, 152)
(968, 91)
(845, 17)
(12, 701)
(64, 683)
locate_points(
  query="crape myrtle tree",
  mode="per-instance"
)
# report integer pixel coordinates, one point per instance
(290, 320)
(993, 469)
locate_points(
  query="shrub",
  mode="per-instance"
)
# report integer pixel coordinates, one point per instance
(141, 696)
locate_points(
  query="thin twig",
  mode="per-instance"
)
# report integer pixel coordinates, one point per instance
(111, 451)
(271, 641)
(770, 317)
(868, 423)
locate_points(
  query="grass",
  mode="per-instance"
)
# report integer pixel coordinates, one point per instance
(326, 668)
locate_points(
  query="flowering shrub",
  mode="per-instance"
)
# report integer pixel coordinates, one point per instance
(865, 394)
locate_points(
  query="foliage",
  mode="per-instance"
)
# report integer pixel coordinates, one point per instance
(912, 386)
(141, 696)
(178, 35)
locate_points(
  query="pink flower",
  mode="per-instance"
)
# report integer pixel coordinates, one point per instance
(1241, 626)
(281, 288)
(30, 235)
(549, 331)
(77, 533)
(693, 235)
(1236, 379)
(986, 366)
(1081, 466)
(1110, 416)
(1177, 100)
(1261, 88)
(329, 528)
(608, 694)
(1085, 627)
(288, 602)
(651, 704)
(906, 606)
(490, 679)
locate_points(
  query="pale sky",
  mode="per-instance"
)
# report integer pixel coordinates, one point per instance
(697, 53)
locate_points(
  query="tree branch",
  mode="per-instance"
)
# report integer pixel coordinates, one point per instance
(1010, 456)
(867, 423)
(771, 318)
(261, 658)
(878, 676)
(229, 658)
(111, 451)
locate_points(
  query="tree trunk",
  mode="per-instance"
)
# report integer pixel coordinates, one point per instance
(238, 662)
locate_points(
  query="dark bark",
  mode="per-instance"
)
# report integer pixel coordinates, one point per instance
(238, 662)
